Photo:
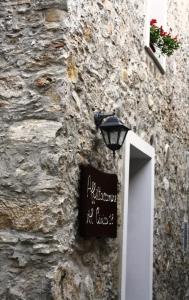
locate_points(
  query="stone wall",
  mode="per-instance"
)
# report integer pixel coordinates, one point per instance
(61, 61)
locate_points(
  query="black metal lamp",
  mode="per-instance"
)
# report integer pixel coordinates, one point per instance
(112, 129)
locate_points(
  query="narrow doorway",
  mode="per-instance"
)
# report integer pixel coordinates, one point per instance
(138, 212)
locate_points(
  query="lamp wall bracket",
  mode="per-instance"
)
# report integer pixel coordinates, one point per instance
(100, 116)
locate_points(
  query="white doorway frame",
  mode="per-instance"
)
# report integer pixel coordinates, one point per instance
(137, 226)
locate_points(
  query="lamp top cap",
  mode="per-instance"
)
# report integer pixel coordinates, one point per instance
(113, 122)
(108, 120)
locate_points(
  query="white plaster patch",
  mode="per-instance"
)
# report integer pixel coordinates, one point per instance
(166, 183)
(37, 130)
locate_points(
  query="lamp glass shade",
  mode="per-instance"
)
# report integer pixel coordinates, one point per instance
(114, 137)
(122, 137)
(105, 137)
(113, 132)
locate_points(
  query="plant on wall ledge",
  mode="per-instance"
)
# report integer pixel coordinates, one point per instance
(162, 40)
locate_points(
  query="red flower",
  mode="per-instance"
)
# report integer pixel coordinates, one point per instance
(162, 39)
(162, 31)
(153, 21)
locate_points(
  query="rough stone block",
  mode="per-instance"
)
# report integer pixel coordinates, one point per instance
(37, 130)
(46, 4)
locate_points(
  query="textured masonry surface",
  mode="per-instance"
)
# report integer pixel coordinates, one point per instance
(61, 61)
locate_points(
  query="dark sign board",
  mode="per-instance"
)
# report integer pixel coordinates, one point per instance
(98, 203)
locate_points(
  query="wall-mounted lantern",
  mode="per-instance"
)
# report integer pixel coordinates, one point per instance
(112, 129)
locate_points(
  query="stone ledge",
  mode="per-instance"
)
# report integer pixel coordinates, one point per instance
(46, 4)
(154, 58)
